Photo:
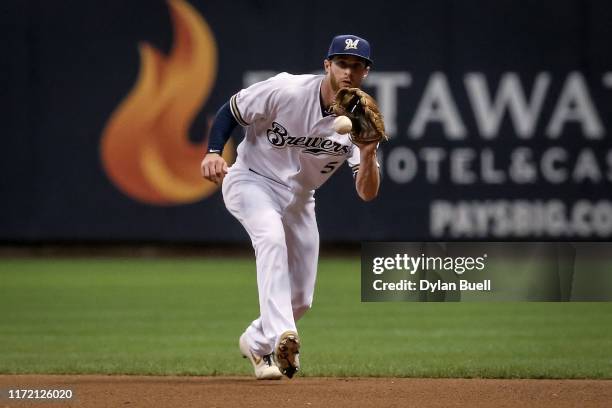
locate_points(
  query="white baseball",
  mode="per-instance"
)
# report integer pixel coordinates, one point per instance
(342, 125)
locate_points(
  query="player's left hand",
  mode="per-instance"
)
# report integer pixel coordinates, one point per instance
(214, 168)
(367, 122)
(366, 147)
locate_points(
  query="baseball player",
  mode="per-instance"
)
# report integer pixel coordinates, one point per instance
(290, 149)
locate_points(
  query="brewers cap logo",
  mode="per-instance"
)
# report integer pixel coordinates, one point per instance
(351, 44)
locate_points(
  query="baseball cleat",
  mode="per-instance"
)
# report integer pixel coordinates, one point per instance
(287, 352)
(264, 366)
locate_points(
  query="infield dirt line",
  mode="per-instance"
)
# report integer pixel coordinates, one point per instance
(173, 391)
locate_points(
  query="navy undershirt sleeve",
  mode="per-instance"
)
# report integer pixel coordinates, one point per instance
(221, 129)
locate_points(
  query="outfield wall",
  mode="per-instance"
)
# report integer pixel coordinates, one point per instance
(499, 116)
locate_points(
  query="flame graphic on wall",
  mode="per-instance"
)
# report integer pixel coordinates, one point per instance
(145, 147)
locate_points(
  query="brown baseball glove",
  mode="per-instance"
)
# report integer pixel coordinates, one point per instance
(361, 109)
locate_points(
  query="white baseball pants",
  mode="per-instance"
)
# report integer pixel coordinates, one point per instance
(283, 230)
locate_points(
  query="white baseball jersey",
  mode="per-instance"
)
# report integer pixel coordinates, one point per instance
(288, 139)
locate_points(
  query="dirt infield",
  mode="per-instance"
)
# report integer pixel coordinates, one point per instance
(133, 391)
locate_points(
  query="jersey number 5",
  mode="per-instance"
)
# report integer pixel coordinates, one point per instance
(329, 167)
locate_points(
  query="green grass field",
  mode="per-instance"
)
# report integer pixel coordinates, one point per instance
(184, 316)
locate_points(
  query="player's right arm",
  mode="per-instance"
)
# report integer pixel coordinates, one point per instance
(245, 107)
(214, 168)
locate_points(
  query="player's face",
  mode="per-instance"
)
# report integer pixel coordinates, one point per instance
(346, 71)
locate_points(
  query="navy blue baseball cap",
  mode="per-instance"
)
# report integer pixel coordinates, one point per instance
(348, 44)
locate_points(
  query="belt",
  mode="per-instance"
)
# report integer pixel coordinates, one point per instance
(269, 178)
